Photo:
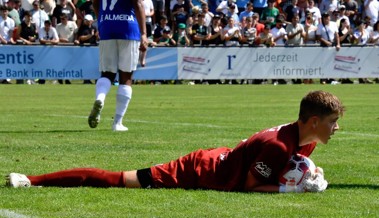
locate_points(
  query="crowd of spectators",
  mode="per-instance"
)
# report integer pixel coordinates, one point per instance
(201, 22)
(263, 22)
(48, 22)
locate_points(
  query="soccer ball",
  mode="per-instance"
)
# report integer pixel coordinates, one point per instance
(298, 168)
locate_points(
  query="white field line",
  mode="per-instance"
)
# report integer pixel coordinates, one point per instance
(150, 122)
(360, 134)
(357, 134)
(11, 214)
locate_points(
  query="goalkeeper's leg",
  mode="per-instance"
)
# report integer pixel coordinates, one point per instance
(92, 177)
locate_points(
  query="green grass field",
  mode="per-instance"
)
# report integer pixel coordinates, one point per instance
(43, 128)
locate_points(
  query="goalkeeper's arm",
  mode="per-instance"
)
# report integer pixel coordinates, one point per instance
(252, 184)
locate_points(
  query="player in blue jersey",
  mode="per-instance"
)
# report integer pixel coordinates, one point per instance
(122, 32)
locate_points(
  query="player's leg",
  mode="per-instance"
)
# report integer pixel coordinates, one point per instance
(108, 69)
(127, 63)
(180, 173)
(169, 175)
(139, 178)
(90, 177)
(123, 97)
(70, 178)
(103, 85)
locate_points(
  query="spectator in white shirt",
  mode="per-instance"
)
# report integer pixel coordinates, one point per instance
(66, 30)
(361, 35)
(149, 13)
(327, 32)
(208, 16)
(341, 15)
(48, 34)
(372, 10)
(310, 31)
(315, 11)
(7, 26)
(39, 16)
(279, 33)
(231, 34)
(224, 7)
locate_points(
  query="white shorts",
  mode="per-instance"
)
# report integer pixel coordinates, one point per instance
(118, 55)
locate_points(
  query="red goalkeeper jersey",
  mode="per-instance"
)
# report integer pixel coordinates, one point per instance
(264, 154)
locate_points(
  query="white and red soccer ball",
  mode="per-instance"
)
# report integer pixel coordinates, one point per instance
(297, 169)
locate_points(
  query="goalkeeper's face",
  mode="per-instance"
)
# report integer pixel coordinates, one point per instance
(326, 127)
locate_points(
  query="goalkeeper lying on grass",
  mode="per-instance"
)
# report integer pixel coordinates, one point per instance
(254, 165)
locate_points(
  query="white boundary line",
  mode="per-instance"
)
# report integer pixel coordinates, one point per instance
(151, 122)
(11, 214)
(357, 134)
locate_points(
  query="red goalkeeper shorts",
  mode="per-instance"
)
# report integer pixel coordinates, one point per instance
(199, 169)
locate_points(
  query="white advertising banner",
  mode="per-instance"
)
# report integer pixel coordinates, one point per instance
(279, 62)
(172, 63)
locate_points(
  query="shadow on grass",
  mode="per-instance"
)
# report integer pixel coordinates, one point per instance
(353, 186)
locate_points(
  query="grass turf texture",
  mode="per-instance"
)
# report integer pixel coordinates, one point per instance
(44, 128)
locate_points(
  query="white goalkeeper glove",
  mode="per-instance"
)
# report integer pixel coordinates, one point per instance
(291, 188)
(316, 183)
(311, 183)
